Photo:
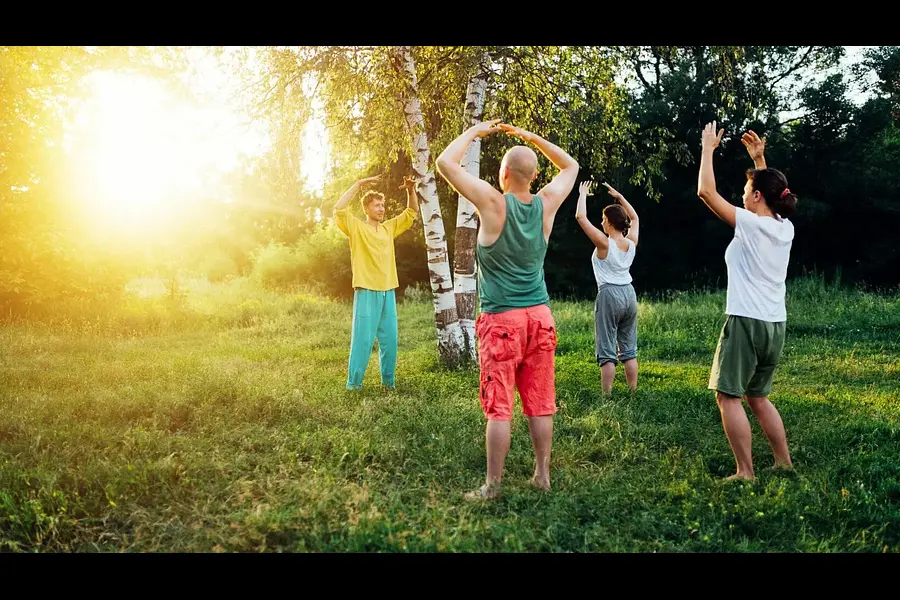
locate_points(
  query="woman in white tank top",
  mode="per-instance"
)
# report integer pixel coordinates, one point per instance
(615, 310)
(615, 269)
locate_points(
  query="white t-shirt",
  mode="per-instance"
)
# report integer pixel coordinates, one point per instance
(757, 261)
(615, 267)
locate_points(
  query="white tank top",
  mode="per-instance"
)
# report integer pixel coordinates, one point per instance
(615, 268)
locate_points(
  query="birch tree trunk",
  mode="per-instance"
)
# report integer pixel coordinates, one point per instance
(464, 265)
(449, 334)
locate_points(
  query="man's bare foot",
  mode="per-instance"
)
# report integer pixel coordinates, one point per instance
(543, 485)
(485, 492)
(742, 476)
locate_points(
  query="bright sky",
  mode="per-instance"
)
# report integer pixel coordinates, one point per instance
(141, 152)
(853, 55)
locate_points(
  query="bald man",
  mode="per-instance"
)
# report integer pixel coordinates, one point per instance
(516, 330)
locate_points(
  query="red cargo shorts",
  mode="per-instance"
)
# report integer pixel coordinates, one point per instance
(517, 349)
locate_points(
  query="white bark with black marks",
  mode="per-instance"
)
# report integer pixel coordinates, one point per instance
(449, 334)
(464, 272)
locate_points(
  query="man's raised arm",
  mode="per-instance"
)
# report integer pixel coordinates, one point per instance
(478, 192)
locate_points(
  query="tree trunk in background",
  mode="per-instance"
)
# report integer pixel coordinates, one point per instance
(464, 266)
(449, 334)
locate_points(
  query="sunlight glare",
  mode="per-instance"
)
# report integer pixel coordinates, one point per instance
(141, 154)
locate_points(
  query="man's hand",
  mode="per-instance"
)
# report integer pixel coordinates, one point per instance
(479, 192)
(518, 132)
(485, 128)
(368, 180)
(344, 200)
(412, 200)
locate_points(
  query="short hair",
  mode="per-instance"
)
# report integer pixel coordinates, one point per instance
(370, 197)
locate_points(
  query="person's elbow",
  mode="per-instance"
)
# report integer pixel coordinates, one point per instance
(448, 169)
(705, 192)
(443, 164)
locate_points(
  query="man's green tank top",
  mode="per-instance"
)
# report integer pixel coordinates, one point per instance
(511, 270)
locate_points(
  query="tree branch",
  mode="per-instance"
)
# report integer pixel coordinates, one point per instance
(640, 74)
(793, 68)
(655, 52)
(800, 118)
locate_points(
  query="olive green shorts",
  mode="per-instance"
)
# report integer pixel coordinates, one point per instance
(746, 356)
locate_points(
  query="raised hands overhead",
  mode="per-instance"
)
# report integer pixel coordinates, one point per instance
(613, 192)
(634, 228)
(348, 195)
(706, 181)
(486, 128)
(756, 147)
(709, 139)
(516, 132)
(585, 188)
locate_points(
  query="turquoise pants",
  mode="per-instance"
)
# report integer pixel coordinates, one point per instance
(374, 316)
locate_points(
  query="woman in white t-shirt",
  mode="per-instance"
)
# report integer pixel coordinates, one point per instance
(752, 338)
(615, 310)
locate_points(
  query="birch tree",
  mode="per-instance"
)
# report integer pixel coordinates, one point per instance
(464, 268)
(449, 333)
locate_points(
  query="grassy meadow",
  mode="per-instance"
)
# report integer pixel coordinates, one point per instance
(218, 421)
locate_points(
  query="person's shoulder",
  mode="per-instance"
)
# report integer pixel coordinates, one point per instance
(746, 219)
(775, 227)
(743, 213)
(776, 223)
(788, 227)
(344, 214)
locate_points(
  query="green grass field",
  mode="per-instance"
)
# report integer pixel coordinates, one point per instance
(223, 425)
